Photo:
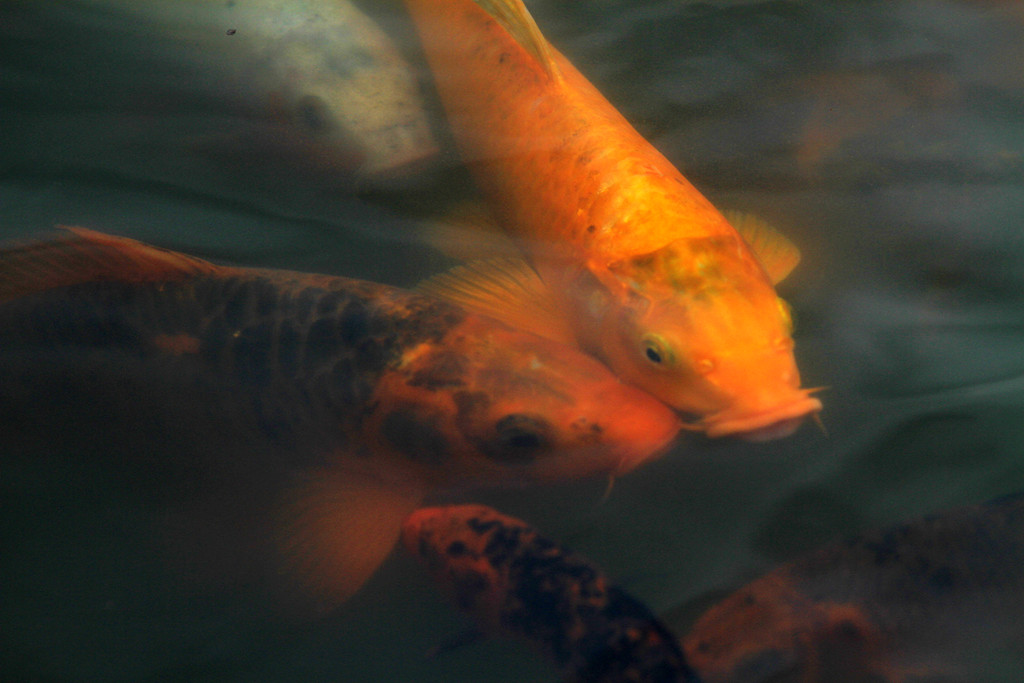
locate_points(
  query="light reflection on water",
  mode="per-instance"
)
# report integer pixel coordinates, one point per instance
(887, 140)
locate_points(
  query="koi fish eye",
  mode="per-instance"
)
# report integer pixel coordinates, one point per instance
(657, 350)
(520, 438)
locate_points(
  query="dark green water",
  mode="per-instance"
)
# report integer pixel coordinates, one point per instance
(886, 139)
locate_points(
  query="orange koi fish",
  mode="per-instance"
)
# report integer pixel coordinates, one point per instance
(940, 598)
(516, 582)
(646, 273)
(336, 403)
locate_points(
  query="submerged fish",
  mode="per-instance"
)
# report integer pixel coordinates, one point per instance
(332, 404)
(306, 87)
(514, 581)
(938, 599)
(649, 276)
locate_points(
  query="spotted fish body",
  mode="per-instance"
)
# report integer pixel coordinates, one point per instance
(355, 397)
(937, 599)
(515, 582)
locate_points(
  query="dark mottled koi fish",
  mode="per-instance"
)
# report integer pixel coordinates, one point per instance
(514, 581)
(337, 402)
(932, 600)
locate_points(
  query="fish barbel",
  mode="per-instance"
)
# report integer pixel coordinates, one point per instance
(516, 582)
(649, 276)
(938, 598)
(360, 398)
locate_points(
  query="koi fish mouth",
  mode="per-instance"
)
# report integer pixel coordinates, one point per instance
(767, 425)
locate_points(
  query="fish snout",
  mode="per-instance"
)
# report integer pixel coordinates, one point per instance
(763, 421)
(634, 426)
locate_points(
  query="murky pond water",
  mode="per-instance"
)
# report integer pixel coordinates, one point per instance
(886, 139)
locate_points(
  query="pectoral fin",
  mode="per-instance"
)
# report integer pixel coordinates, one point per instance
(506, 289)
(336, 527)
(776, 253)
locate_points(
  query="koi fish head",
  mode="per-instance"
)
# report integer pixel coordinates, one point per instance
(703, 330)
(769, 631)
(489, 404)
(463, 548)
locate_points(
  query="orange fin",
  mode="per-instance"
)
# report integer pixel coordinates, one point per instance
(506, 289)
(336, 527)
(776, 253)
(516, 19)
(81, 256)
(468, 232)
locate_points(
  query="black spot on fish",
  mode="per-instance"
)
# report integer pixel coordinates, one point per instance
(415, 436)
(323, 343)
(374, 355)
(456, 549)
(266, 298)
(354, 322)
(504, 544)
(444, 369)
(251, 350)
(237, 303)
(329, 303)
(216, 336)
(303, 302)
(482, 526)
(289, 341)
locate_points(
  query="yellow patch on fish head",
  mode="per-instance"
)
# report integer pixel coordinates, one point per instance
(489, 404)
(703, 329)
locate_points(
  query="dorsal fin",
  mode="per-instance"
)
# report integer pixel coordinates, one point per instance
(79, 256)
(777, 254)
(506, 289)
(516, 19)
